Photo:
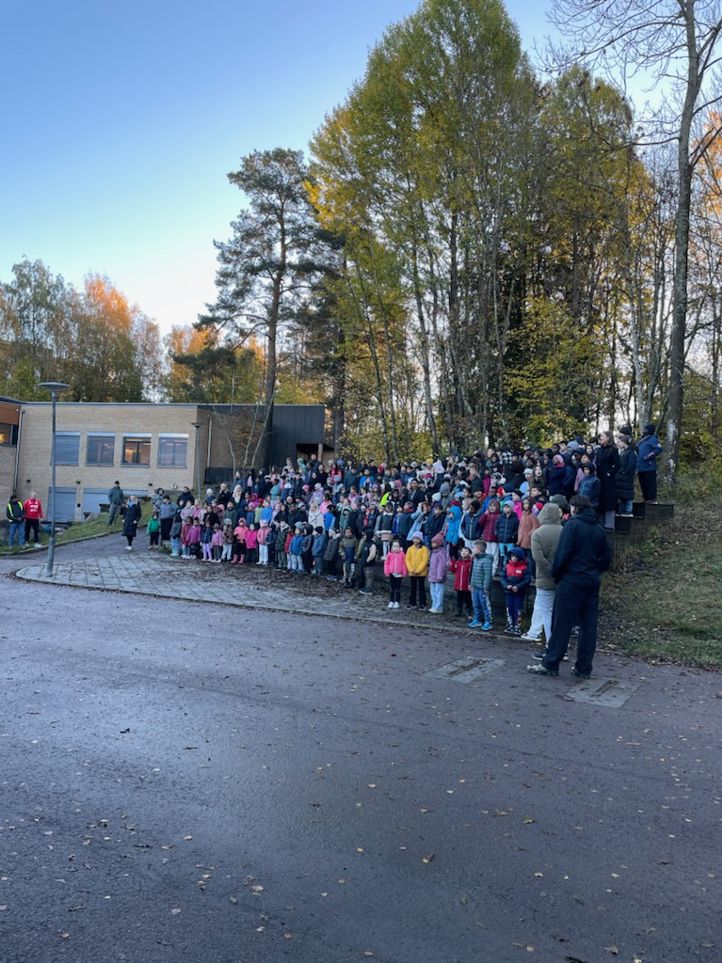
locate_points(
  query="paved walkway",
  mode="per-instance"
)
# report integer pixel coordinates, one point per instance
(159, 575)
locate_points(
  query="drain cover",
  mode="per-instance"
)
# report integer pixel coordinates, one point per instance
(465, 670)
(603, 692)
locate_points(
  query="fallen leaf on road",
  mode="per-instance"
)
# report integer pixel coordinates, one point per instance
(234, 900)
(427, 859)
(288, 936)
(175, 911)
(187, 838)
(614, 950)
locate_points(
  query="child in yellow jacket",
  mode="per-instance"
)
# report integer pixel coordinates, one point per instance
(417, 564)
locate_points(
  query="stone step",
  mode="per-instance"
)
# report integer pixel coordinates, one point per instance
(656, 512)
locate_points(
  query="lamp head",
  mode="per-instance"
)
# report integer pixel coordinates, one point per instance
(53, 386)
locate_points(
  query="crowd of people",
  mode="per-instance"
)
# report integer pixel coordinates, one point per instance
(497, 514)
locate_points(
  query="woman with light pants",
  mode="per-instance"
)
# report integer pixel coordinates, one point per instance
(544, 541)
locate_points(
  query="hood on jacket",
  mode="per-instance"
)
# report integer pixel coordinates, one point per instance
(518, 552)
(551, 514)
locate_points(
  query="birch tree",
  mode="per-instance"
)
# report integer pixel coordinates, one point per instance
(676, 42)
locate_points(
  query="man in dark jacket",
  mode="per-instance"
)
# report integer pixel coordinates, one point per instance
(14, 516)
(115, 501)
(648, 451)
(582, 554)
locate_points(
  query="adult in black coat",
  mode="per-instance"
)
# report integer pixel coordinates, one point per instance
(582, 554)
(130, 522)
(625, 476)
(607, 468)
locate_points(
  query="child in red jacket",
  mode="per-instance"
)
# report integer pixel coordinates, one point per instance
(461, 567)
(515, 578)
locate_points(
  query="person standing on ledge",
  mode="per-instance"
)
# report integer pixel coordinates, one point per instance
(648, 451)
(582, 554)
(115, 500)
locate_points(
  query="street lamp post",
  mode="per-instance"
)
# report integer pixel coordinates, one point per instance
(197, 481)
(54, 387)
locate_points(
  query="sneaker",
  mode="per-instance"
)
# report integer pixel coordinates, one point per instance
(538, 669)
(539, 655)
(474, 624)
(509, 630)
(38, 545)
(486, 627)
(579, 675)
(397, 605)
(129, 548)
(531, 638)
(390, 605)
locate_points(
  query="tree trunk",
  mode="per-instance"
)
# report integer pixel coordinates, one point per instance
(425, 362)
(263, 451)
(679, 288)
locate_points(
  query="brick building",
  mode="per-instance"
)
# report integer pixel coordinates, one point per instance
(143, 446)
(10, 413)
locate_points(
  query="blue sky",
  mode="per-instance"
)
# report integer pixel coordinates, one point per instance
(121, 121)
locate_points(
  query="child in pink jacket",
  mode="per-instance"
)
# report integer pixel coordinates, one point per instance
(252, 544)
(194, 539)
(394, 570)
(262, 535)
(217, 543)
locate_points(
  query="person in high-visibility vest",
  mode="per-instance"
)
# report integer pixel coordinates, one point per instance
(14, 515)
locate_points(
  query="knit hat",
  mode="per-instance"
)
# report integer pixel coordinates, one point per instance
(418, 535)
(558, 461)
(437, 541)
(507, 505)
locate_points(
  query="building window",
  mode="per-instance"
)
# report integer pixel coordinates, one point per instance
(172, 451)
(8, 434)
(67, 447)
(136, 450)
(100, 448)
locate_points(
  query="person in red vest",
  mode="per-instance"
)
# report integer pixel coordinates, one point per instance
(33, 512)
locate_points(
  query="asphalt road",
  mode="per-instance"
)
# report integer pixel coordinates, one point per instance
(190, 782)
